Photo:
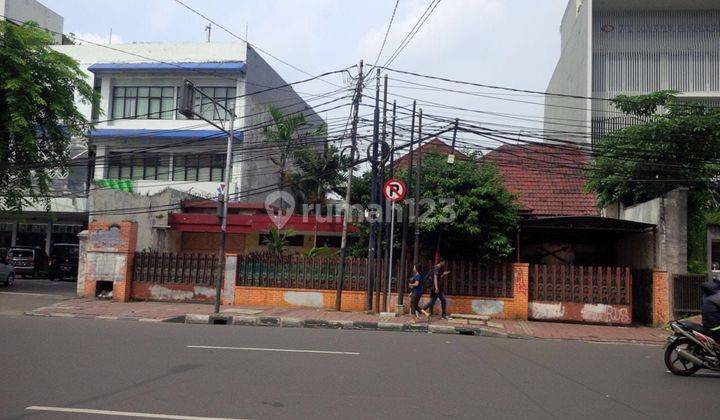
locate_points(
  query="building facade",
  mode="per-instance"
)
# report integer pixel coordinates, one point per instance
(32, 10)
(609, 47)
(140, 141)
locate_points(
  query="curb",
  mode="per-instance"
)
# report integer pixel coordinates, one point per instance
(269, 321)
(103, 317)
(244, 320)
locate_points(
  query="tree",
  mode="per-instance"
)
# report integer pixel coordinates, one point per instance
(482, 218)
(476, 225)
(676, 145)
(319, 174)
(38, 89)
(287, 133)
(277, 241)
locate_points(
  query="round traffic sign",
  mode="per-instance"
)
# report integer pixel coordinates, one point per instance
(394, 190)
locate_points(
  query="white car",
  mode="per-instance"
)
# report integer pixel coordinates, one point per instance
(7, 272)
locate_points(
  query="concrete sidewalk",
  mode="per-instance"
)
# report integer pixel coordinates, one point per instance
(309, 317)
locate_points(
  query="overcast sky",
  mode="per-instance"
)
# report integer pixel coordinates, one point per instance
(499, 42)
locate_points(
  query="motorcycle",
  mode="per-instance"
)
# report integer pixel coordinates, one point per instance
(690, 349)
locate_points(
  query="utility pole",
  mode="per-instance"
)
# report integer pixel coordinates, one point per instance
(208, 28)
(346, 212)
(186, 108)
(406, 208)
(381, 181)
(451, 156)
(418, 173)
(373, 197)
(389, 252)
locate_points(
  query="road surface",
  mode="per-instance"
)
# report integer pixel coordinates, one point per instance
(82, 368)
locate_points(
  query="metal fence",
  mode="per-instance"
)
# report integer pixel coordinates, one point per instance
(569, 283)
(687, 296)
(175, 268)
(300, 272)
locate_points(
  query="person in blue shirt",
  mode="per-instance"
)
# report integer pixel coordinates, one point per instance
(416, 291)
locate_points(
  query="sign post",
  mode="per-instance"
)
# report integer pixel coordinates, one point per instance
(394, 191)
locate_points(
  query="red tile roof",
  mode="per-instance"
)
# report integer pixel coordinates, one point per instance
(547, 179)
(435, 145)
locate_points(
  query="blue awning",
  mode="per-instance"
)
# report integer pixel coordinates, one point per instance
(168, 134)
(224, 66)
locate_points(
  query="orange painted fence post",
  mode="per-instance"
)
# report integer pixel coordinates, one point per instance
(108, 259)
(660, 297)
(521, 277)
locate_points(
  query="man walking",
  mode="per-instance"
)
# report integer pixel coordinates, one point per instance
(437, 289)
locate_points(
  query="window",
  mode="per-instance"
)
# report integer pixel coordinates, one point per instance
(224, 95)
(198, 167)
(138, 166)
(329, 241)
(143, 102)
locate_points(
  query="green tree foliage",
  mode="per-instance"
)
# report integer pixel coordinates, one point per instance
(477, 226)
(287, 134)
(675, 144)
(38, 89)
(277, 241)
(319, 174)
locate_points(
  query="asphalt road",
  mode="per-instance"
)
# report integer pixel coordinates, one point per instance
(28, 294)
(136, 367)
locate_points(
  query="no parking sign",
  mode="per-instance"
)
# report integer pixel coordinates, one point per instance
(394, 190)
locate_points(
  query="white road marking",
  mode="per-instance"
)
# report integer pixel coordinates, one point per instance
(352, 353)
(122, 413)
(26, 294)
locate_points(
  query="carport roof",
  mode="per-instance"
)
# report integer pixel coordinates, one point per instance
(585, 223)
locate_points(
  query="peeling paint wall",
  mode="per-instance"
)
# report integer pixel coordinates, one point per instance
(581, 312)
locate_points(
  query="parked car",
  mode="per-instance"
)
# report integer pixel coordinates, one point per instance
(7, 272)
(63, 261)
(28, 261)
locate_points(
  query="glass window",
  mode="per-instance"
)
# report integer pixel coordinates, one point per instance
(143, 102)
(225, 96)
(198, 167)
(148, 166)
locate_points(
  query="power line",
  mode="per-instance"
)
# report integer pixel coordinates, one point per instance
(387, 32)
(246, 41)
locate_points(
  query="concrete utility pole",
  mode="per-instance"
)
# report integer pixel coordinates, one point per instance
(373, 197)
(405, 208)
(381, 181)
(418, 173)
(186, 108)
(400, 290)
(346, 212)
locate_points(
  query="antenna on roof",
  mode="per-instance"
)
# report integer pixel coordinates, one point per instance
(208, 28)
(110, 39)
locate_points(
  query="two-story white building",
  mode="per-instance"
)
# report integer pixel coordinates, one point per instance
(140, 140)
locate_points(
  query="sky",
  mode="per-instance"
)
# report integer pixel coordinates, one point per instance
(513, 43)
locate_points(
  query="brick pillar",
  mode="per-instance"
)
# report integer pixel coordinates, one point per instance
(660, 297)
(521, 277)
(228, 294)
(82, 252)
(109, 254)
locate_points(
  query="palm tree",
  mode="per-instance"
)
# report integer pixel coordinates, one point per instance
(277, 241)
(319, 174)
(286, 134)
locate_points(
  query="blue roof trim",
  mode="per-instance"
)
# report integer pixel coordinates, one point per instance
(225, 66)
(162, 134)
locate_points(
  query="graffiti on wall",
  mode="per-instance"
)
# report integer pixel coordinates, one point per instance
(605, 313)
(580, 312)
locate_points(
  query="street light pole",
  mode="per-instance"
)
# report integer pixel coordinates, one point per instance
(186, 107)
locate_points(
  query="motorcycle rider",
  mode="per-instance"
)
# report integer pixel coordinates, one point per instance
(711, 308)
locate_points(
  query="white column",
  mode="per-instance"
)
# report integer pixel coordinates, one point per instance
(101, 151)
(48, 237)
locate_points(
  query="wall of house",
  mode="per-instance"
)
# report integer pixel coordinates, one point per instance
(572, 73)
(153, 230)
(669, 214)
(259, 173)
